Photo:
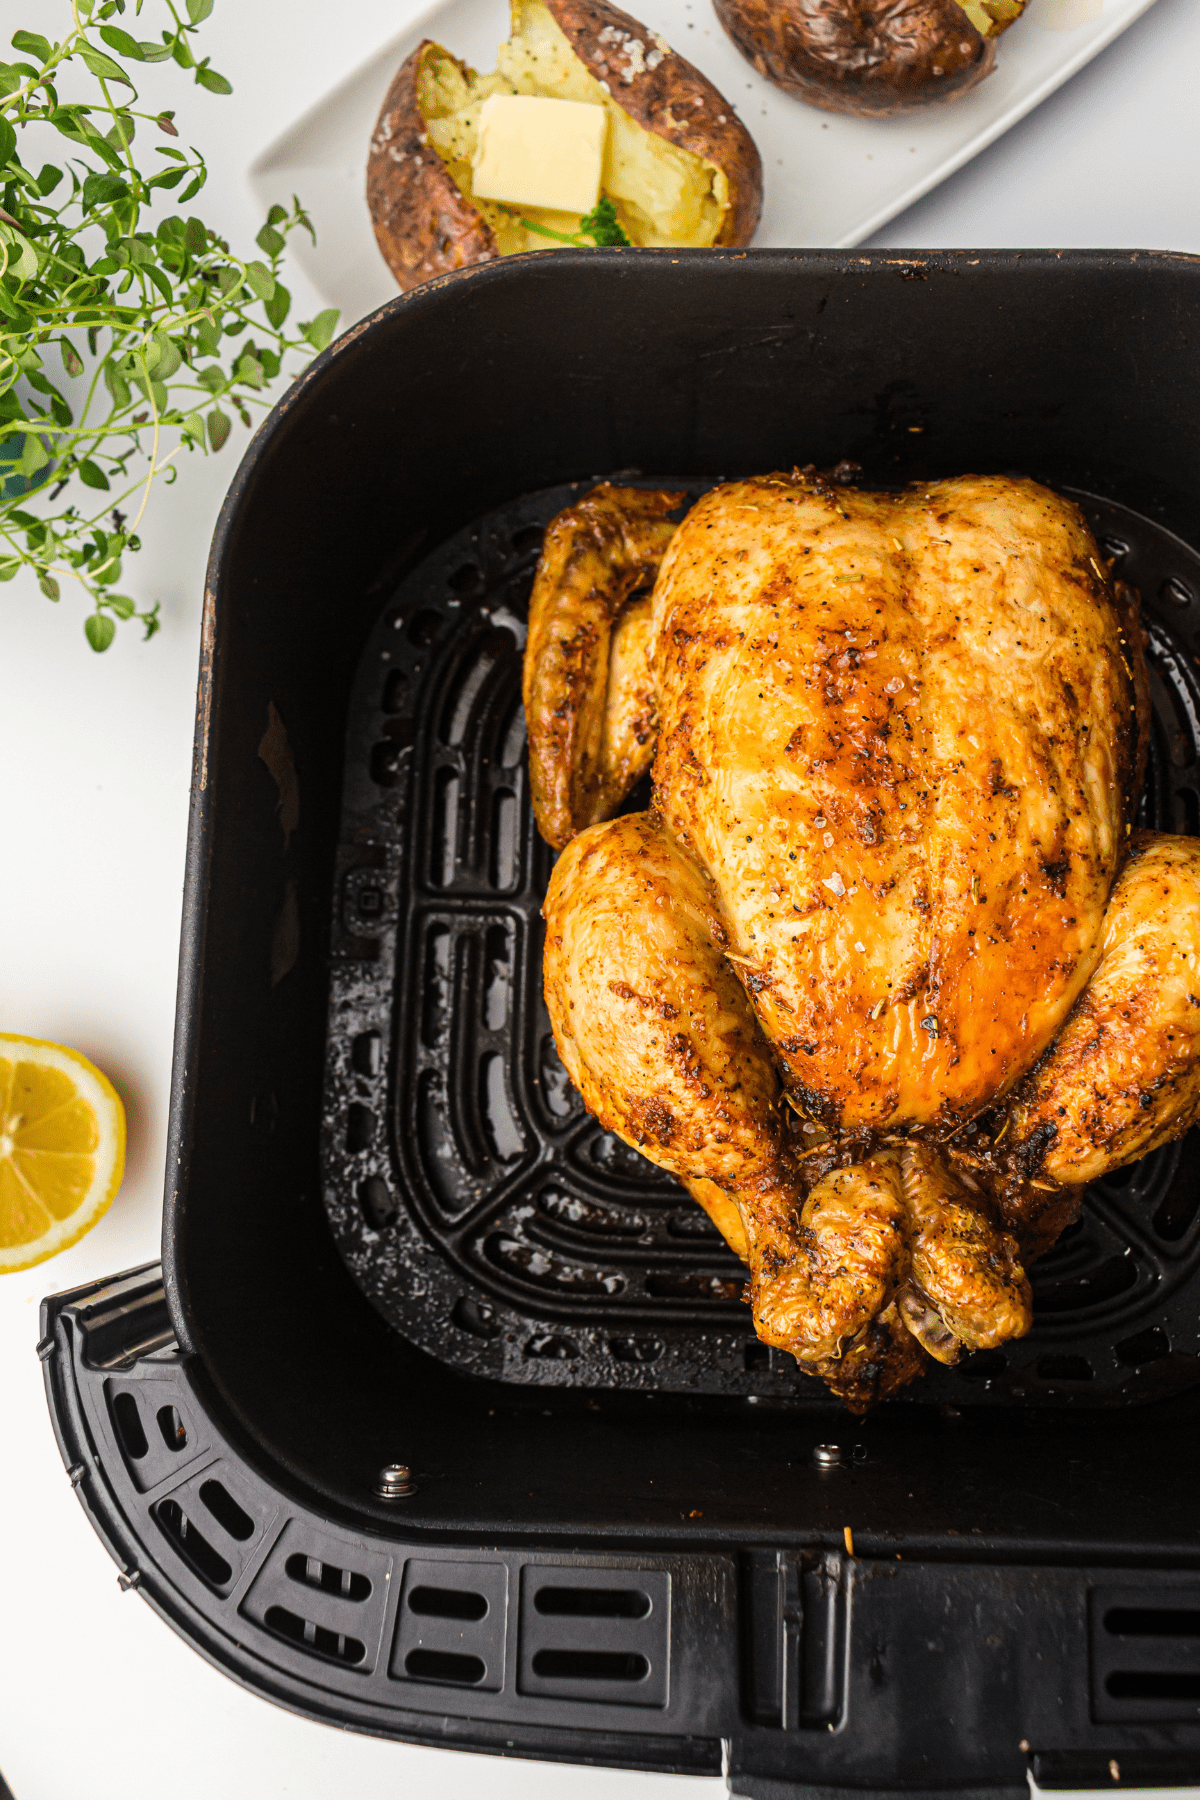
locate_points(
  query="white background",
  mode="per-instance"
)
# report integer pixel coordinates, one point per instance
(97, 1697)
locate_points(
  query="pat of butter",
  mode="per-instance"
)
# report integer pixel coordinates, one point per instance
(534, 151)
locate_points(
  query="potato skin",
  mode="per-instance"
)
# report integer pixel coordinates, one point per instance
(868, 57)
(423, 225)
(665, 95)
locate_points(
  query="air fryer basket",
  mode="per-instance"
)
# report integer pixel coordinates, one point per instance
(494, 1223)
(620, 1540)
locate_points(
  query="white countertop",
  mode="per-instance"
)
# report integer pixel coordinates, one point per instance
(97, 1696)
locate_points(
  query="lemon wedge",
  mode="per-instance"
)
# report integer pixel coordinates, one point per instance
(62, 1149)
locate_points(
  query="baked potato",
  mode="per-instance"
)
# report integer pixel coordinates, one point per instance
(870, 57)
(679, 167)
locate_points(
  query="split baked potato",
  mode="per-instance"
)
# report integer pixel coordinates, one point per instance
(679, 166)
(870, 57)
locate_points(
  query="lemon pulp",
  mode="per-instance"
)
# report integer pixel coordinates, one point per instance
(62, 1149)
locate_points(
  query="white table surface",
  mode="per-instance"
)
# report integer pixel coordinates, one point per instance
(97, 1696)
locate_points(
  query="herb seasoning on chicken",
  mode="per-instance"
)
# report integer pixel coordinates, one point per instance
(884, 976)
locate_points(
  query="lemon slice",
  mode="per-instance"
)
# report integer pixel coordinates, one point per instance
(62, 1149)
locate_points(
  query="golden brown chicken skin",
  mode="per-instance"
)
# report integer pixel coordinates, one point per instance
(898, 751)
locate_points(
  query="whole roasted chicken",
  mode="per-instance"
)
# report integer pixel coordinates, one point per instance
(885, 975)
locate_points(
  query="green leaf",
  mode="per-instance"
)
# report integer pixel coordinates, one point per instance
(121, 604)
(219, 427)
(102, 190)
(193, 429)
(277, 215)
(212, 378)
(34, 456)
(103, 66)
(169, 358)
(249, 370)
(117, 385)
(92, 475)
(9, 566)
(123, 128)
(270, 241)
(320, 332)
(260, 279)
(8, 142)
(99, 630)
(122, 43)
(216, 84)
(277, 307)
(32, 44)
(160, 281)
(154, 52)
(195, 236)
(165, 122)
(24, 265)
(49, 587)
(198, 10)
(49, 179)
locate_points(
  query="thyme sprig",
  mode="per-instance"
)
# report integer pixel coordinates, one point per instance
(122, 339)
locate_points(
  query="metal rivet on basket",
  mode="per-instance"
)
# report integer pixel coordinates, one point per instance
(395, 1482)
(828, 1456)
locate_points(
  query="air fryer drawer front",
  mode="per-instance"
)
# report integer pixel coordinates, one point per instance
(796, 1665)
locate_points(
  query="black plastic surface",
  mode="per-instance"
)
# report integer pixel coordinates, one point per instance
(968, 1522)
(800, 1673)
(473, 1199)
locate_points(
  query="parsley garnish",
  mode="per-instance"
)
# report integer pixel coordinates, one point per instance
(601, 225)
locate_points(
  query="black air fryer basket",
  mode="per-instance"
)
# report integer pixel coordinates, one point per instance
(443, 1418)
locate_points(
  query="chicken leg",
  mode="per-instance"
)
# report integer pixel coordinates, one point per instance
(659, 1035)
(1123, 1076)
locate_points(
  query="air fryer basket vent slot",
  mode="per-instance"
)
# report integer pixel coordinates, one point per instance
(1146, 1653)
(452, 1624)
(599, 1635)
(476, 1203)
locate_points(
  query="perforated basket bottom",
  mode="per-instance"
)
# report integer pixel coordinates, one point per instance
(477, 1204)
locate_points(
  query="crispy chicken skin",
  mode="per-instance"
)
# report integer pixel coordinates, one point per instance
(883, 975)
(587, 674)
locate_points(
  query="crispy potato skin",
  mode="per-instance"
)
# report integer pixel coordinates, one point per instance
(670, 99)
(869, 57)
(423, 225)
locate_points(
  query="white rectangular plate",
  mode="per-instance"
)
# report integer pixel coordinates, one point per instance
(829, 181)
